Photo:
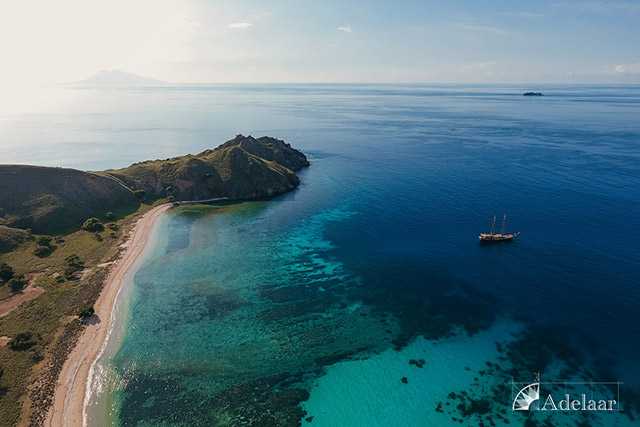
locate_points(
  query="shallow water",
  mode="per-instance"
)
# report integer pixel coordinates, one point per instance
(320, 297)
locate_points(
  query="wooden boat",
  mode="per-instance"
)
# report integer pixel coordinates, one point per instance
(497, 237)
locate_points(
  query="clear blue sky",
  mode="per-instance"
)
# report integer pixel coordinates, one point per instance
(323, 41)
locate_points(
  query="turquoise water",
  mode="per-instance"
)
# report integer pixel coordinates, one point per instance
(309, 307)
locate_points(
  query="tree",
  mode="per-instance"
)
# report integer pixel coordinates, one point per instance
(139, 194)
(74, 261)
(44, 241)
(22, 341)
(17, 283)
(6, 272)
(74, 265)
(86, 312)
(93, 225)
(70, 273)
(110, 216)
(44, 246)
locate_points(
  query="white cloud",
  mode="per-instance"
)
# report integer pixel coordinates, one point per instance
(627, 69)
(492, 30)
(346, 29)
(240, 25)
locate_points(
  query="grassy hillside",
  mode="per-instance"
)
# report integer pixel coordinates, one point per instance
(270, 149)
(242, 168)
(50, 317)
(10, 238)
(56, 200)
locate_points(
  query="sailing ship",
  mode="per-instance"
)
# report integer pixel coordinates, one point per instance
(497, 237)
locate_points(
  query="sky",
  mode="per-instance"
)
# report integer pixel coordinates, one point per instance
(400, 41)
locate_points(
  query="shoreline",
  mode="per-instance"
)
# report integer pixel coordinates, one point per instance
(67, 408)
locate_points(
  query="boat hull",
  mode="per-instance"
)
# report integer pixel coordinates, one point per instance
(489, 237)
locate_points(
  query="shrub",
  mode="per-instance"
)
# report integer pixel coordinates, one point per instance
(74, 265)
(35, 355)
(139, 194)
(86, 312)
(17, 283)
(70, 273)
(6, 272)
(74, 261)
(44, 246)
(44, 241)
(42, 251)
(22, 341)
(113, 227)
(110, 216)
(93, 225)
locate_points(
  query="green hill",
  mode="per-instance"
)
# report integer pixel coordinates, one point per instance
(242, 168)
(10, 238)
(56, 200)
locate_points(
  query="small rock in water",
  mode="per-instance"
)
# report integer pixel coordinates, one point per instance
(404, 380)
(419, 363)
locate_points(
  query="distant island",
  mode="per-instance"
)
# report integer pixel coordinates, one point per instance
(119, 78)
(532, 94)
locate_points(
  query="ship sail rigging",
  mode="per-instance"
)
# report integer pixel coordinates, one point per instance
(492, 236)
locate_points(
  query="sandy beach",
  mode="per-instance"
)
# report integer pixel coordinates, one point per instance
(68, 400)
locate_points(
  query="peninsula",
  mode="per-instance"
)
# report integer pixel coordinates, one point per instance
(75, 234)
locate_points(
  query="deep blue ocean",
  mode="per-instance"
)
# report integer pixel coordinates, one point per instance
(364, 297)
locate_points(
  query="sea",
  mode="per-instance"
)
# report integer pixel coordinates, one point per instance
(364, 297)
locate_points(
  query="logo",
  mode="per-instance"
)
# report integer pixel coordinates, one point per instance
(526, 396)
(565, 396)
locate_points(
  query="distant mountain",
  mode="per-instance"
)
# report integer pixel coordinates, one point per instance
(119, 78)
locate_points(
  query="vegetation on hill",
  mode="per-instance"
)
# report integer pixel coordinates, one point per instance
(57, 201)
(242, 168)
(86, 312)
(10, 238)
(71, 279)
(6, 272)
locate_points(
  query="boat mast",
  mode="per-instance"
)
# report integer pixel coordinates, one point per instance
(504, 223)
(493, 225)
